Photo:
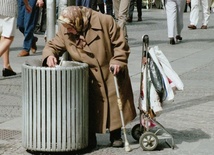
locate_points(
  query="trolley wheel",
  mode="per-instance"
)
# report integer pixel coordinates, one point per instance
(137, 131)
(148, 141)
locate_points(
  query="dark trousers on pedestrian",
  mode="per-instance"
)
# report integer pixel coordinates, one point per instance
(139, 8)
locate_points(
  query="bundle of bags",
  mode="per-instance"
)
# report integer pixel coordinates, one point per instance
(159, 82)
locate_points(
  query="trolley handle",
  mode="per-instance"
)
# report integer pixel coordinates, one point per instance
(112, 69)
(146, 40)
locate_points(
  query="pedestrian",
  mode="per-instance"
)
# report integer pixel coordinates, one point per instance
(174, 13)
(96, 39)
(26, 22)
(8, 14)
(121, 8)
(131, 10)
(99, 3)
(212, 6)
(109, 7)
(194, 14)
(188, 4)
(86, 3)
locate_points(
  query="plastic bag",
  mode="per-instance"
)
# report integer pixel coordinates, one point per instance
(167, 68)
(168, 89)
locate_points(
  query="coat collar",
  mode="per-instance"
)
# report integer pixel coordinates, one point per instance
(94, 26)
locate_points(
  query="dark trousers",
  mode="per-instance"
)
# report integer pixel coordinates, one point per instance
(139, 8)
(115, 135)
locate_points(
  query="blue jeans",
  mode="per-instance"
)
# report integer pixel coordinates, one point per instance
(26, 22)
(86, 3)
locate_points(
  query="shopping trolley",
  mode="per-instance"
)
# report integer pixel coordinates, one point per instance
(149, 131)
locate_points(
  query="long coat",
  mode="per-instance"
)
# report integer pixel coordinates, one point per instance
(105, 45)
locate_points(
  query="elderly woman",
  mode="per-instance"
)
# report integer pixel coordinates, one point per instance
(96, 39)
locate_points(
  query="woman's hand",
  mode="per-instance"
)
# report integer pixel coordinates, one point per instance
(27, 6)
(51, 61)
(115, 69)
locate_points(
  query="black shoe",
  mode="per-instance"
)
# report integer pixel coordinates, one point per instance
(8, 72)
(33, 46)
(178, 38)
(129, 20)
(172, 41)
(139, 19)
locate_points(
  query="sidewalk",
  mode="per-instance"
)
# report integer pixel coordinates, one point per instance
(189, 118)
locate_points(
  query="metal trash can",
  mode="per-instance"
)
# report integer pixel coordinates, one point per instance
(55, 107)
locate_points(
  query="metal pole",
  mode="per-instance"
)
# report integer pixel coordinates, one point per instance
(62, 5)
(51, 18)
(65, 3)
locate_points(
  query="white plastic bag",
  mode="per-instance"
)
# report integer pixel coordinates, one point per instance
(168, 88)
(169, 72)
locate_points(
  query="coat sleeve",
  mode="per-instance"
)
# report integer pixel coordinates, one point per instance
(56, 46)
(120, 46)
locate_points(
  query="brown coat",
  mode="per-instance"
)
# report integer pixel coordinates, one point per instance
(105, 45)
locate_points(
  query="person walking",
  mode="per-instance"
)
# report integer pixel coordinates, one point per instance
(26, 22)
(109, 7)
(8, 14)
(194, 14)
(174, 13)
(121, 8)
(86, 3)
(131, 10)
(96, 39)
(100, 4)
(188, 4)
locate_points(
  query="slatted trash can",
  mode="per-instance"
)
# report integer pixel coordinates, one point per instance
(55, 107)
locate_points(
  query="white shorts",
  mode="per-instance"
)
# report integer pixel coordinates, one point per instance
(7, 26)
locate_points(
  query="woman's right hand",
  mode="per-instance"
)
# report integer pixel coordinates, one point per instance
(51, 61)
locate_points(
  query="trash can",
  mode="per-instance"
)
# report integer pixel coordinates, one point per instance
(55, 107)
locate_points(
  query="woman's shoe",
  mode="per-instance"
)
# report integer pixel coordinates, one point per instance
(117, 143)
(172, 41)
(178, 38)
(8, 72)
